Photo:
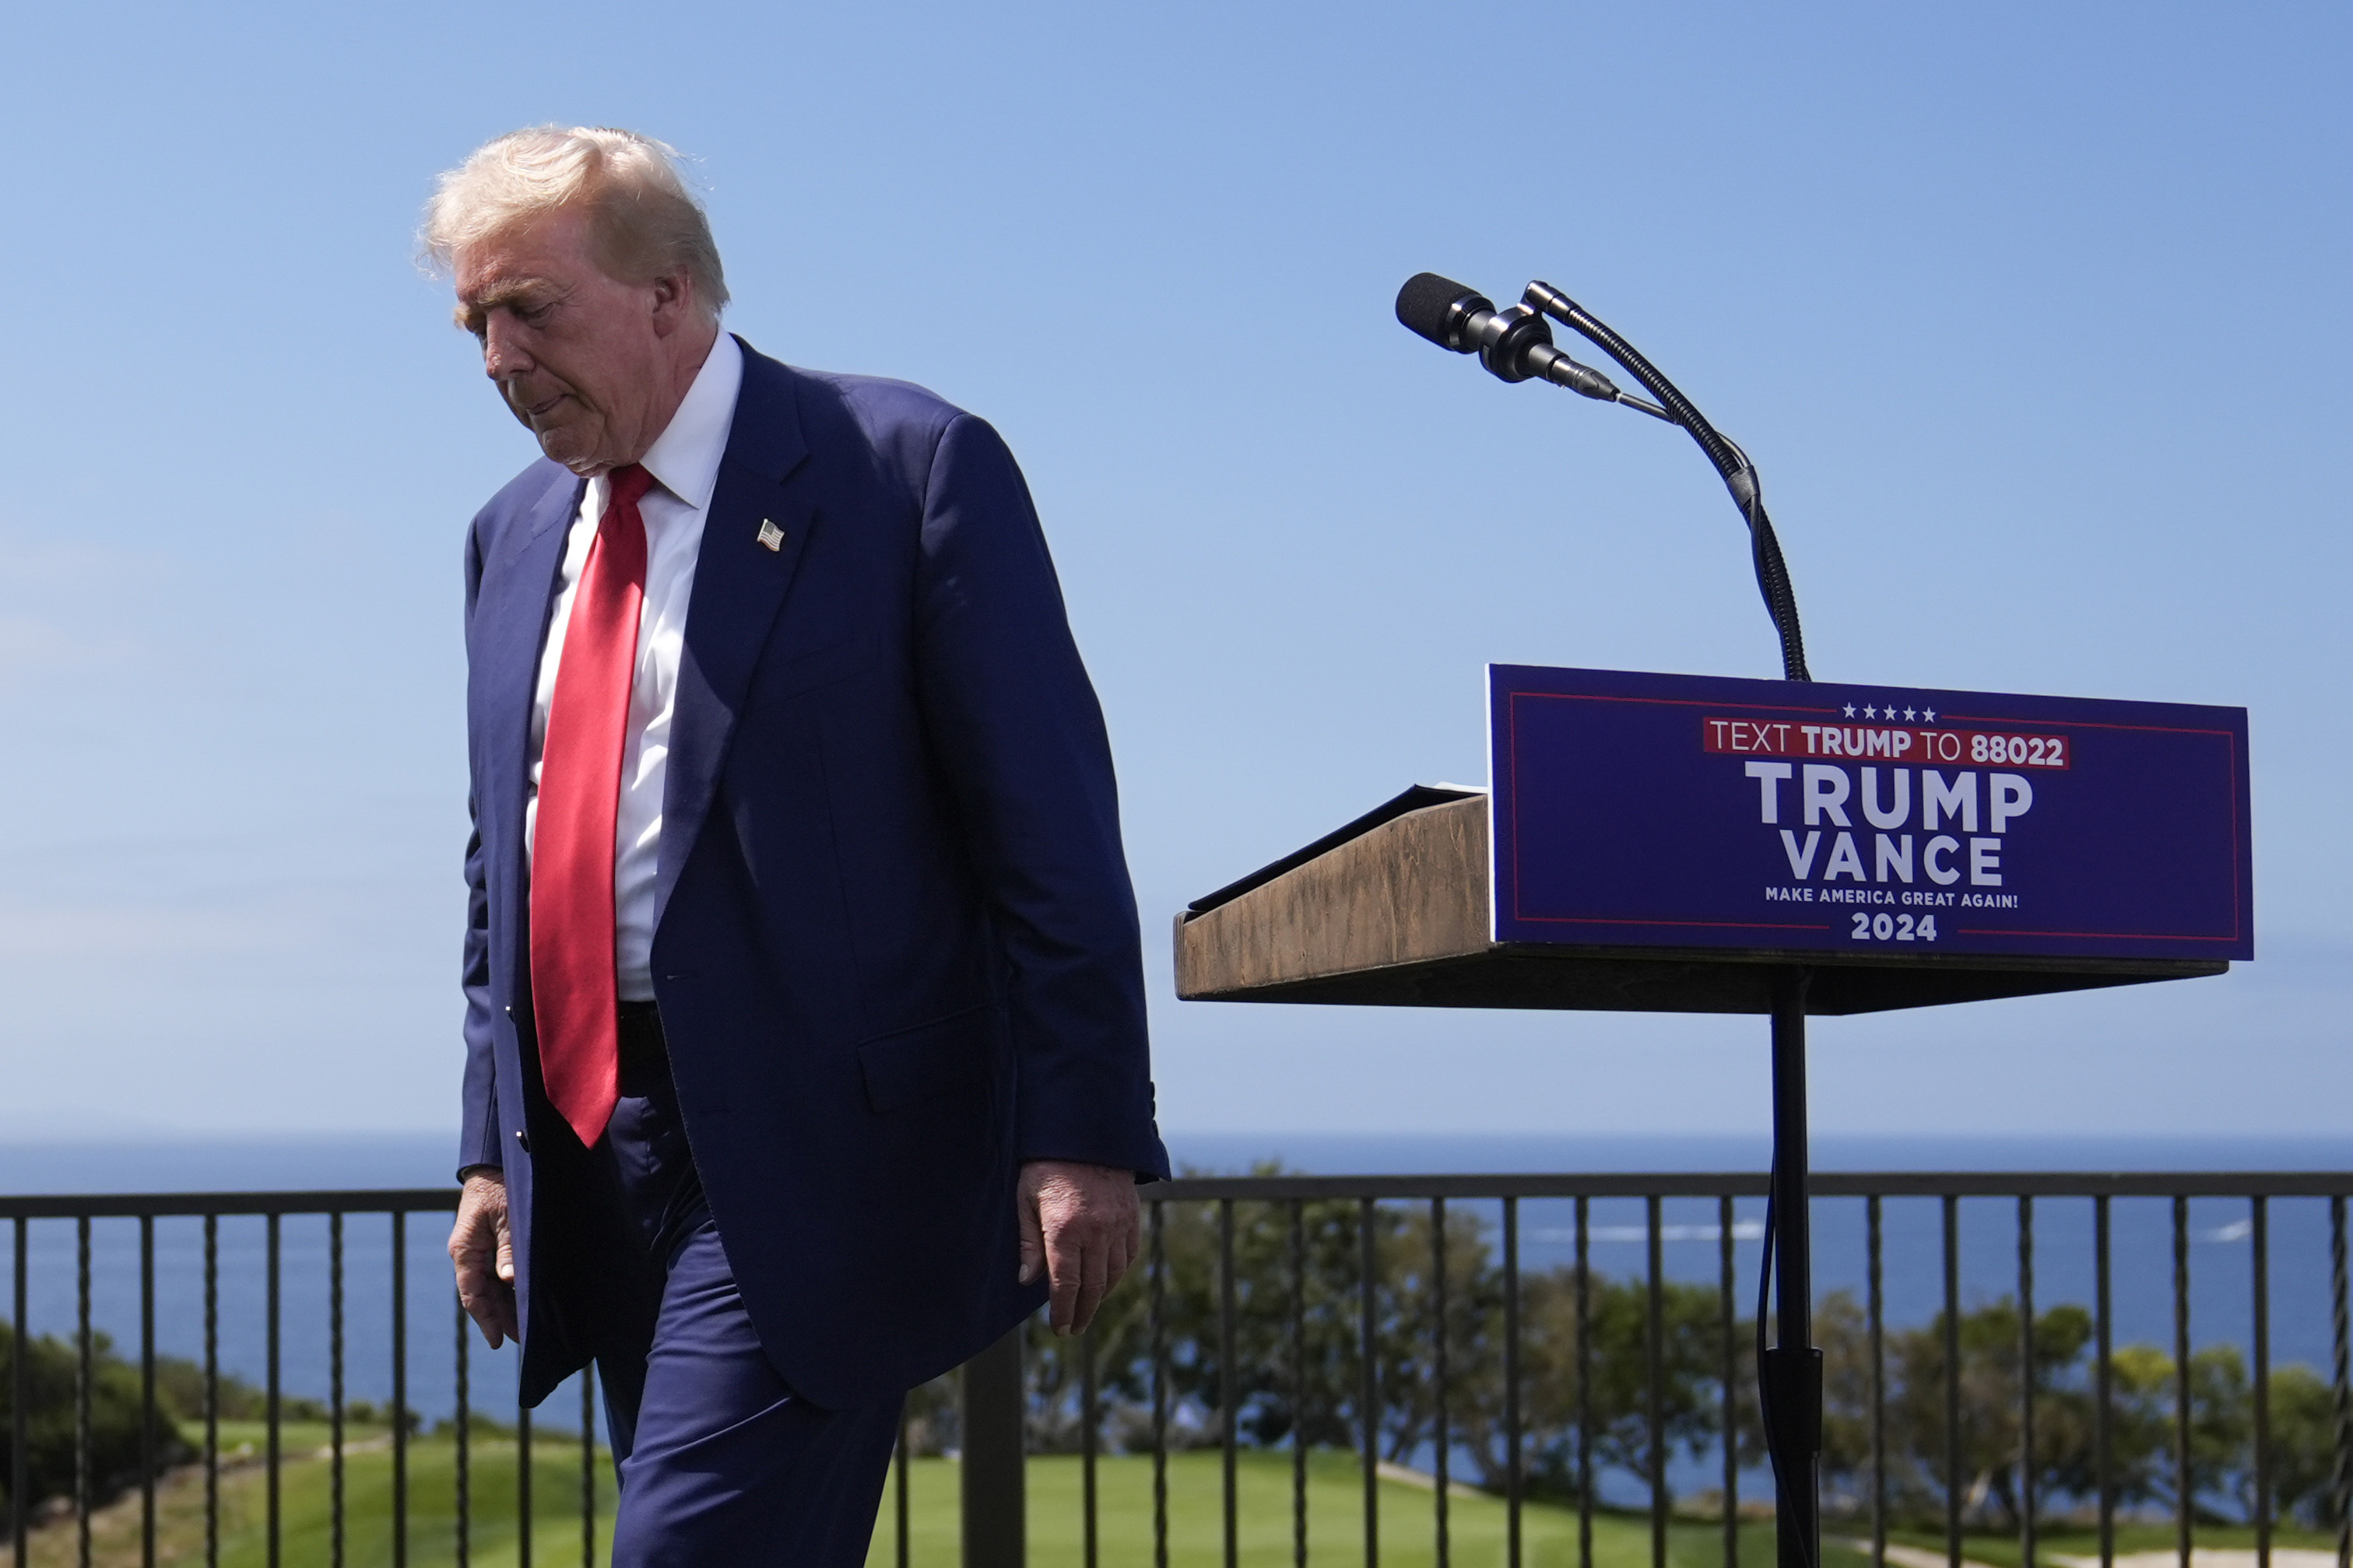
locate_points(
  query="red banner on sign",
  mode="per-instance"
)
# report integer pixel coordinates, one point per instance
(1886, 742)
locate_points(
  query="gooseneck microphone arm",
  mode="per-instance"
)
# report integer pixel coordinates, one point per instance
(1516, 344)
(1739, 474)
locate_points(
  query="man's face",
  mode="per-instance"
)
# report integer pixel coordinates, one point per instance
(578, 355)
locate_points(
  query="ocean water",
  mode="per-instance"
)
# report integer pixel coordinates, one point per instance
(2222, 1262)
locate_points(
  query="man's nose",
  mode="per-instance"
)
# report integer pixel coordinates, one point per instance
(503, 354)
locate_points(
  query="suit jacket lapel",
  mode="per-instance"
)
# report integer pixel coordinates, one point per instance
(517, 593)
(738, 586)
(517, 596)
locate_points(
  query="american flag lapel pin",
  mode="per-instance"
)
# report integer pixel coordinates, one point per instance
(771, 535)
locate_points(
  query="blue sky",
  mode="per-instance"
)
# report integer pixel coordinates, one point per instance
(2033, 317)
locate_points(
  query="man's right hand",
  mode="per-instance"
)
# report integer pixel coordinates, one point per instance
(480, 1248)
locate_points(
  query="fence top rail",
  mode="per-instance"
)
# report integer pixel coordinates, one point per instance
(138, 1206)
(1276, 1189)
(1753, 1184)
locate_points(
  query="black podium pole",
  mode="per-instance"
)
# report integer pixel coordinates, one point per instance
(1792, 1377)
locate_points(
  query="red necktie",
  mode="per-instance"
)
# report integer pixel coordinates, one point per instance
(575, 999)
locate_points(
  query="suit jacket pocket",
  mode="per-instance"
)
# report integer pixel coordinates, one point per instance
(806, 672)
(928, 1060)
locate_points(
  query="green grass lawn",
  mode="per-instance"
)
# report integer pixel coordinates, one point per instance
(1335, 1525)
(1335, 1515)
(2002, 1551)
(303, 1438)
(306, 1513)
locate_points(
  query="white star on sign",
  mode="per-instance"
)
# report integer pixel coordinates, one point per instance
(1929, 714)
(1850, 710)
(1910, 714)
(1870, 712)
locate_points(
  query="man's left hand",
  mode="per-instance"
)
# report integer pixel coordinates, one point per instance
(1081, 1223)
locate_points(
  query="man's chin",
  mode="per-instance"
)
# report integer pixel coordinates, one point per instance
(570, 448)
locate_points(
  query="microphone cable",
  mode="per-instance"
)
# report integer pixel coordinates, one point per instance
(1515, 345)
(1731, 463)
(1772, 1453)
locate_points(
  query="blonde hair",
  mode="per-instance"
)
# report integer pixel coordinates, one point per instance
(645, 223)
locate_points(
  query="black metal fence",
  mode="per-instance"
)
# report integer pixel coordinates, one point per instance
(1242, 1352)
(1485, 1328)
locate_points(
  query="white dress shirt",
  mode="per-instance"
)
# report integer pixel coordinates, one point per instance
(684, 463)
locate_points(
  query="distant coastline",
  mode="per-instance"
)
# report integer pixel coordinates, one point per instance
(121, 1163)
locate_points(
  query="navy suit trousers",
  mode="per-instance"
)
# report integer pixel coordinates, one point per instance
(722, 1464)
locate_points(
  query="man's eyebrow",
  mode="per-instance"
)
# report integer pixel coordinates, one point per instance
(471, 313)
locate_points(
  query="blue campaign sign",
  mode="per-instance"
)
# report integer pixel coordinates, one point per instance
(1665, 811)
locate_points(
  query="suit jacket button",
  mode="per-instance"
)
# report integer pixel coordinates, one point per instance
(525, 1139)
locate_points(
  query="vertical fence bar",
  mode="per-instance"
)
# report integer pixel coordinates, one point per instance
(1654, 1379)
(2260, 1214)
(1299, 1384)
(147, 1391)
(465, 1442)
(1727, 1316)
(1444, 1438)
(335, 1388)
(995, 1474)
(82, 1373)
(1952, 1381)
(1584, 1383)
(2340, 1344)
(2026, 1382)
(270, 1412)
(1159, 1384)
(1369, 1383)
(399, 1389)
(1090, 1421)
(589, 1466)
(1512, 1383)
(523, 1486)
(2102, 1386)
(1229, 1424)
(2184, 1502)
(212, 1391)
(1874, 1262)
(20, 1354)
(899, 1487)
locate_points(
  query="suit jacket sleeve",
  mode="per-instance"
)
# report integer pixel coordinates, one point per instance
(1020, 739)
(477, 1141)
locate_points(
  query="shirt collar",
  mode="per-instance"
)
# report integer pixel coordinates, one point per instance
(684, 460)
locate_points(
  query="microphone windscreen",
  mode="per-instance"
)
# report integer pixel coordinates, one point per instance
(1427, 300)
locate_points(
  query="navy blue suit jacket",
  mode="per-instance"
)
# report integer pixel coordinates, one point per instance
(896, 950)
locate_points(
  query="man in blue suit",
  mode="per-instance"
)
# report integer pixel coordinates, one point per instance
(804, 1041)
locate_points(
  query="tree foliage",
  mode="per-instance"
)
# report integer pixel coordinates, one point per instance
(52, 1375)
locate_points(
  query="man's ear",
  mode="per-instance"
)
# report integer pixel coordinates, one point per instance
(673, 302)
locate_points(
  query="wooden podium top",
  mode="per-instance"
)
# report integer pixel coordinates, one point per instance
(1395, 910)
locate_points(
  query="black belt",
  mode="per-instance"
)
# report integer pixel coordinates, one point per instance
(644, 1053)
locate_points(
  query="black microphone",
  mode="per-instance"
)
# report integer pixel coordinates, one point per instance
(1441, 310)
(1517, 345)
(1514, 344)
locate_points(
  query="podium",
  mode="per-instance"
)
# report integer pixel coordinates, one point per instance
(1661, 843)
(1393, 910)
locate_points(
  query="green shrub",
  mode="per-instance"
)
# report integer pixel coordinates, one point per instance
(52, 1375)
